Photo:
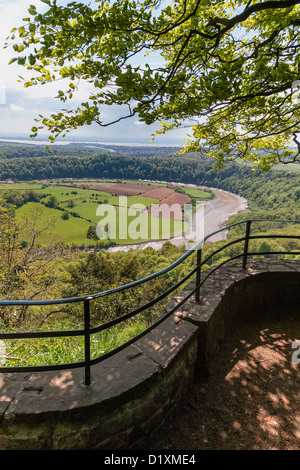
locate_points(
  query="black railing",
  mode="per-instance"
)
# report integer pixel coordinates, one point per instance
(87, 331)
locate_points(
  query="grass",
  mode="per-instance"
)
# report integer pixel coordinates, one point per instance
(69, 231)
(198, 193)
(67, 350)
(82, 204)
(292, 167)
(20, 186)
(74, 229)
(138, 228)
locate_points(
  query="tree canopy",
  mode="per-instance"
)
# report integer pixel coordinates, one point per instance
(226, 70)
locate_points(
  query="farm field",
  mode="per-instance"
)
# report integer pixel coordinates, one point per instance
(119, 210)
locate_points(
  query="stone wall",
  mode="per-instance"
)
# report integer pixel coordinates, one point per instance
(134, 391)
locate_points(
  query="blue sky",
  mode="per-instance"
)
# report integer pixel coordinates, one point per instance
(21, 105)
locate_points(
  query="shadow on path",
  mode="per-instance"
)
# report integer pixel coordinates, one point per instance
(251, 402)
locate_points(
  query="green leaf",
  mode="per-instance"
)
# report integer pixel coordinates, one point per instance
(32, 59)
(32, 10)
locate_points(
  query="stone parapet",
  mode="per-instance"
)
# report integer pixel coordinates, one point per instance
(135, 390)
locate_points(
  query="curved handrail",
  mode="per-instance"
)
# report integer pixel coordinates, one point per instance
(87, 331)
(168, 268)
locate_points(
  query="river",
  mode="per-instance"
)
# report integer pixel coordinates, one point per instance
(211, 216)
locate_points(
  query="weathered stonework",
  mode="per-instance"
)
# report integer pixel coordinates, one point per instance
(134, 391)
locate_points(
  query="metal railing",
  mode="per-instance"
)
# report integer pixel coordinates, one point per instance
(87, 330)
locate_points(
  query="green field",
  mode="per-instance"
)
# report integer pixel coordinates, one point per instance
(197, 193)
(120, 221)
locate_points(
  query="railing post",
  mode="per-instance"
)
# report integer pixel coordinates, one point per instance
(87, 341)
(198, 275)
(248, 226)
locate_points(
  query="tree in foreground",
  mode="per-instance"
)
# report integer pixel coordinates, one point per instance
(28, 269)
(227, 71)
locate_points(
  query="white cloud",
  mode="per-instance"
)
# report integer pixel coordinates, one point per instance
(22, 105)
(16, 109)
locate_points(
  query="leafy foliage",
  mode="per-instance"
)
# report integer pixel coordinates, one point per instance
(229, 70)
(99, 272)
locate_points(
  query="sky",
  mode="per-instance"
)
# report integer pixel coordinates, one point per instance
(19, 106)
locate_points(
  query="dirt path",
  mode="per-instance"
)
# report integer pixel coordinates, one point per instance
(215, 212)
(252, 400)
